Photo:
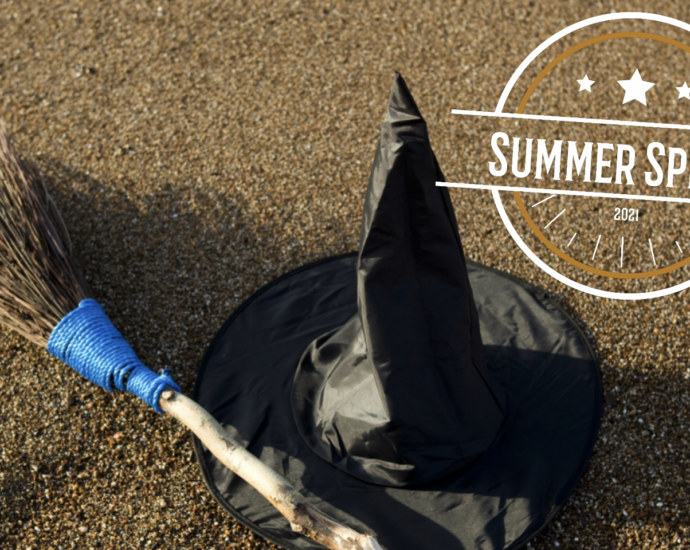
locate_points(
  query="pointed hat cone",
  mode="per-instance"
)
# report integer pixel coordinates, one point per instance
(364, 379)
(401, 394)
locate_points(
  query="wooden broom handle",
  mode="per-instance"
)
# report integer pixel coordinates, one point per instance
(304, 518)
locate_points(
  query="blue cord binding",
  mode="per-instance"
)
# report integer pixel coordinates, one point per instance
(88, 342)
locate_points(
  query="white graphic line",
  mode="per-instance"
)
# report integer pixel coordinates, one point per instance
(595, 248)
(562, 192)
(679, 248)
(610, 122)
(622, 240)
(571, 240)
(652, 249)
(559, 215)
(547, 198)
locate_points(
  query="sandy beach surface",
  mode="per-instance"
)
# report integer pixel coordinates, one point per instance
(197, 150)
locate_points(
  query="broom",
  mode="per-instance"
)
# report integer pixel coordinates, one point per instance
(44, 297)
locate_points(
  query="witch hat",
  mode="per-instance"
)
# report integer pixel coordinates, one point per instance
(408, 393)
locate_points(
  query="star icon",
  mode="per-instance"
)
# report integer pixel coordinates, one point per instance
(636, 89)
(684, 91)
(586, 84)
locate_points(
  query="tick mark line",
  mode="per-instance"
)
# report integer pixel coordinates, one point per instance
(559, 215)
(571, 240)
(679, 248)
(547, 198)
(652, 249)
(595, 248)
(622, 242)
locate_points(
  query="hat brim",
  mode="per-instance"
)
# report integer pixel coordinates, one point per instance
(551, 378)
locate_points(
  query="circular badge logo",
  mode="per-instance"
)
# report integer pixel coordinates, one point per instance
(586, 155)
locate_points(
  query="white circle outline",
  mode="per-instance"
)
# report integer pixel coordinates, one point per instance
(497, 199)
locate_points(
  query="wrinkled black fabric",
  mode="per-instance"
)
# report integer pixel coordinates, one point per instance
(400, 394)
(553, 397)
(399, 419)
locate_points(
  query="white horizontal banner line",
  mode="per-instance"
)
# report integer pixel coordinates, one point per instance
(562, 192)
(573, 119)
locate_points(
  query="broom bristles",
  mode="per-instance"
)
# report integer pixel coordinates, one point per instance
(39, 280)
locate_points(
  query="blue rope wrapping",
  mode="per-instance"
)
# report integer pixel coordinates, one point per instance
(88, 342)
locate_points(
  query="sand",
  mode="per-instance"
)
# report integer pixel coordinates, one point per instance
(199, 149)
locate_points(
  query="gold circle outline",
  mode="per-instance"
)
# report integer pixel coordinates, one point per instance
(518, 197)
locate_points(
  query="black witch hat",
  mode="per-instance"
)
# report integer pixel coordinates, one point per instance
(431, 401)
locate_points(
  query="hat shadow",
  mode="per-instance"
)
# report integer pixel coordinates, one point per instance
(169, 266)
